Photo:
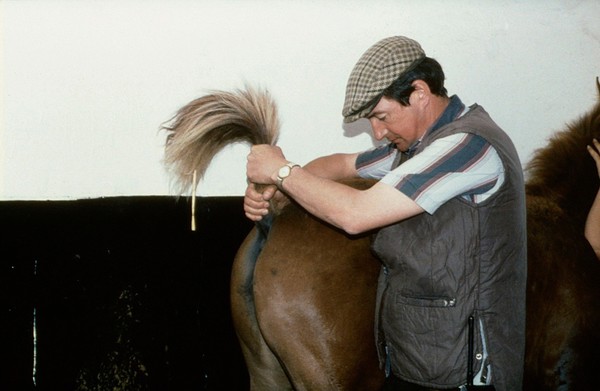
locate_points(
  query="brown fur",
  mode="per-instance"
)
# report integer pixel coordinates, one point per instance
(304, 309)
(563, 313)
(563, 172)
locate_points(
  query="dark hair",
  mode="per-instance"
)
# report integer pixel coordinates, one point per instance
(428, 70)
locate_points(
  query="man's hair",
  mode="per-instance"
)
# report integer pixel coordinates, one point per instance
(428, 70)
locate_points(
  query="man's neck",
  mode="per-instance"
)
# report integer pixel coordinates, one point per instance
(438, 105)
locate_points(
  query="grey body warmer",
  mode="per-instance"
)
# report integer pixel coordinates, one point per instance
(464, 259)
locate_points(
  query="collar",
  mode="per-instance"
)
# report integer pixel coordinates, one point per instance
(454, 110)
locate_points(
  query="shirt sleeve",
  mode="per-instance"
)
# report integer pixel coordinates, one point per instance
(461, 165)
(376, 163)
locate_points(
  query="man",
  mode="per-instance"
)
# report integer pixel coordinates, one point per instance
(451, 220)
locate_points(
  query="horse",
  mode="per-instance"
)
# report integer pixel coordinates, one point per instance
(303, 292)
(563, 315)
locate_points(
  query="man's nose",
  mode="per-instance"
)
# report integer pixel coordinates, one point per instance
(379, 130)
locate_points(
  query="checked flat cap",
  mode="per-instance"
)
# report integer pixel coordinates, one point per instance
(375, 71)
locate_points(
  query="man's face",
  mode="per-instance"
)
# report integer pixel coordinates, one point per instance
(401, 125)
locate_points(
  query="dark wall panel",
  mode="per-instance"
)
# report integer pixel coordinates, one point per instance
(122, 292)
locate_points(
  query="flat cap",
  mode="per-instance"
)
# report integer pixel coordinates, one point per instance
(375, 71)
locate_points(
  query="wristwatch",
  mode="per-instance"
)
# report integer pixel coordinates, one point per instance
(284, 172)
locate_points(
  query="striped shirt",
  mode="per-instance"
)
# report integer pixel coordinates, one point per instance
(461, 165)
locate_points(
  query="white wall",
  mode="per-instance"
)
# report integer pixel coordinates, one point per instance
(86, 84)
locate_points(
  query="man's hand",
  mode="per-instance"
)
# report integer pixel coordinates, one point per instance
(264, 161)
(256, 204)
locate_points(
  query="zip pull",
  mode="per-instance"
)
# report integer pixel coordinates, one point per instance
(388, 362)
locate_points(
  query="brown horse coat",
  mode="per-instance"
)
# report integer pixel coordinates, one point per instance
(563, 290)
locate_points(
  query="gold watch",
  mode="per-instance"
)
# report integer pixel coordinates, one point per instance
(284, 172)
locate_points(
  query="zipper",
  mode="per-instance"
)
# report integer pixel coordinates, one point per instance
(426, 301)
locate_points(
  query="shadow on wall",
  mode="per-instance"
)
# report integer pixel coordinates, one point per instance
(119, 293)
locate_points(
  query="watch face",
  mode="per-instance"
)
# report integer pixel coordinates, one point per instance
(284, 171)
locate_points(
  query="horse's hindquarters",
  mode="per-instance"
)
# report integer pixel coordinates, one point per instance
(315, 297)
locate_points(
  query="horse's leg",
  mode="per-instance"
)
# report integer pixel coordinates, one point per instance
(315, 298)
(263, 367)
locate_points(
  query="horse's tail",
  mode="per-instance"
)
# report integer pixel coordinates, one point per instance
(203, 127)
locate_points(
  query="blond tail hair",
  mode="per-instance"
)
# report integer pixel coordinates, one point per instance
(203, 127)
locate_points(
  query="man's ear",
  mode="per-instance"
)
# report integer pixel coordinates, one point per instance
(421, 88)
(422, 92)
